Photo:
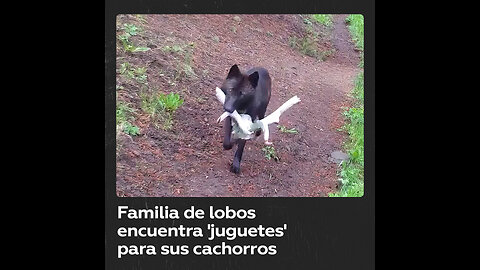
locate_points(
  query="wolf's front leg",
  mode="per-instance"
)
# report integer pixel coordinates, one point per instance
(238, 156)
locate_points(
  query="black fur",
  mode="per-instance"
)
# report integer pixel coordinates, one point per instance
(247, 93)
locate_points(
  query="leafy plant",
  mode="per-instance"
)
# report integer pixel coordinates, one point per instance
(124, 114)
(269, 153)
(129, 31)
(170, 102)
(131, 129)
(128, 45)
(139, 73)
(124, 67)
(285, 130)
(139, 49)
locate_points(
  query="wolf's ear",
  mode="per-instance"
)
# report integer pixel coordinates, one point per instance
(234, 72)
(253, 78)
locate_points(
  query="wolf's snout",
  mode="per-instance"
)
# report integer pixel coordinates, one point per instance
(228, 108)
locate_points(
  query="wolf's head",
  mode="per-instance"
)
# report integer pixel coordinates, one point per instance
(239, 89)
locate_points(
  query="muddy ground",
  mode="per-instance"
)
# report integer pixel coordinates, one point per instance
(188, 159)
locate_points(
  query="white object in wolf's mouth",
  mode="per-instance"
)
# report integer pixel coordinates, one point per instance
(220, 95)
(223, 116)
(245, 123)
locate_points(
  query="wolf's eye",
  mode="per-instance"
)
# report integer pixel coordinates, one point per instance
(240, 93)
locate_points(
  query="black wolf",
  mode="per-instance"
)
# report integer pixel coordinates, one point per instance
(247, 93)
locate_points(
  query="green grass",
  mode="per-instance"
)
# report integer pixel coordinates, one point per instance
(325, 19)
(356, 27)
(307, 44)
(161, 108)
(133, 77)
(352, 170)
(351, 175)
(141, 18)
(184, 66)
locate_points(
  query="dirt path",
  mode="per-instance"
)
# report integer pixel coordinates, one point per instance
(189, 160)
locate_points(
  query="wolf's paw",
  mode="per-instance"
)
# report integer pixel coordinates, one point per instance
(235, 169)
(227, 146)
